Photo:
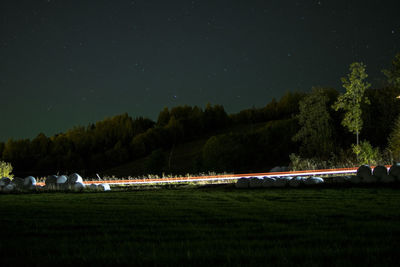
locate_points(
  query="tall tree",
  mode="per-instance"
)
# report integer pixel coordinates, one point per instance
(315, 121)
(352, 99)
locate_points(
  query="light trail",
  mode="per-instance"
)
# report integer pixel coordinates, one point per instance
(226, 177)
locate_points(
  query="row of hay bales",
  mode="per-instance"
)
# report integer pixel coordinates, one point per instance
(8, 185)
(72, 182)
(365, 175)
(379, 174)
(283, 181)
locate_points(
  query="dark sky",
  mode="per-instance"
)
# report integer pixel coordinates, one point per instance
(72, 62)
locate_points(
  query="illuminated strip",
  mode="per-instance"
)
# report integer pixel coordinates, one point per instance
(226, 176)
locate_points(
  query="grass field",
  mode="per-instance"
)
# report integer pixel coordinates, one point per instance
(207, 225)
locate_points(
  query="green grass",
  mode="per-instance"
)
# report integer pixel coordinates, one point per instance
(207, 225)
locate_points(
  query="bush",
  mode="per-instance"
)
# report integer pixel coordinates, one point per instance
(6, 169)
(367, 154)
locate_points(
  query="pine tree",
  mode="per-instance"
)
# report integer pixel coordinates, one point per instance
(394, 140)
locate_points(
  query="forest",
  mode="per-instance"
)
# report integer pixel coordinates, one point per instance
(298, 128)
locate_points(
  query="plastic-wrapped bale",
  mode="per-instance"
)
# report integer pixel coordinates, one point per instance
(364, 172)
(79, 186)
(282, 181)
(29, 182)
(380, 172)
(74, 178)
(268, 181)
(93, 186)
(242, 183)
(104, 187)
(355, 179)
(5, 181)
(9, 188)
(19, 182)
(296, 181)
(313, 181)
(394, 171)
(255, 182)
(62, 179)
(51, 182)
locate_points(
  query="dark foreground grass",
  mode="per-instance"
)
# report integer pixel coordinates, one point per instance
(203, 226)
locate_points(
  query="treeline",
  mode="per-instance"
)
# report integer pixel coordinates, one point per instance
(121, 138)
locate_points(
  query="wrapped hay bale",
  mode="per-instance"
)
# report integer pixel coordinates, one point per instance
(19, 182)
(313, 181)
(5, 181)
(255, 182)
(296, 181)
(79, 186)
(242, 183)
(355, 179)
(9, 188)
(268, 182)
(29, 182)
(93, 186)
(104, 187)
(282, 181)
(380, 172)
(364, 172)
(74, 178)
(394, 171)
(62, 179)
(51, 180)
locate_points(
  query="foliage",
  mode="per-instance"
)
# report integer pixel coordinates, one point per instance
(6, 170)
(156, 163)
(366, 154)
(394, 140)
(315, 121)
(393, 74)
(352, 99)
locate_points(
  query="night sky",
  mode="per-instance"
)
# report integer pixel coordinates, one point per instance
(67, 63)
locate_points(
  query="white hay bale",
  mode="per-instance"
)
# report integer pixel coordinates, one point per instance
(364, 172)
(268, 182)
(380, 172)
(62, 179)
(79, 186)
(51, 180)
(255, 182)
(29, 182)
(74, 178)
(296, 181)
(19, 182)
(5, 181)
(282, 181)
(354, 179)
(395, 171)
(104, 187)
(313, 181)
(242, 183)
(93, 186)
(9, 188)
